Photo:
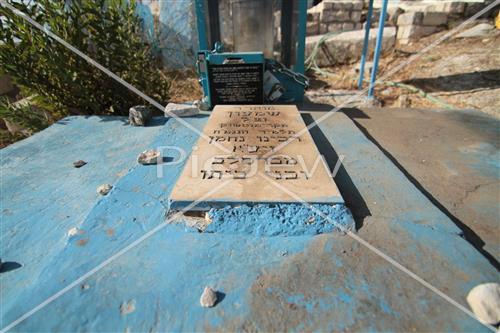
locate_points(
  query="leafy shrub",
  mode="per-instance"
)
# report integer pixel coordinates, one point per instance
(108, 31)
(23, 115)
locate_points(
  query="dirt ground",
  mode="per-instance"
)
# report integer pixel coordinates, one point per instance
(462, 72)
(186, 87)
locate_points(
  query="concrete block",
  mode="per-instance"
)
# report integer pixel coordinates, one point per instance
(327, 5)
(334, 27)
(325, 16)
(357, 5)
(335, 16)
(342, 6)
(356, 16)
(434, 18)
(347, 26)
(455, 7)
(410, 18)
(312, 28)
(415, 31)
(343, 15)
(323, 28)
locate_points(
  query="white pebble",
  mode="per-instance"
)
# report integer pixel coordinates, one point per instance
(180, 110)
(104, 189)
(127, 307)
(72, 232)
(149, 157)
(484, 301)
(208, 298)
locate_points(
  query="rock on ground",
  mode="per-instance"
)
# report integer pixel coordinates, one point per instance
(139, 115)
(104, 189)
(208, 298)
(480, 30)
(484, 301)
(79, 163)
(346, 47)
(149, 157)
(180, 110)
(127, 307)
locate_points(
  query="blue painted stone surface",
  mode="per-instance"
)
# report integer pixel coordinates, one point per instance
(170, 27)
(280, 219)
(327, 282)
(44, 196)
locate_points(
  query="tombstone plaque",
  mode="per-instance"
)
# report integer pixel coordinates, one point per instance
(242, 146)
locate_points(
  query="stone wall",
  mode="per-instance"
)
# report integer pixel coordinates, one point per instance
(414, 25)
(419, 21)
(414, 19)
(333, 16)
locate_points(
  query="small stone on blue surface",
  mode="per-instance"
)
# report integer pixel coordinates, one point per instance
(79, 163)
(139, 115)
(208, 298)
(149, 157)
(104, 189)
(484, 301)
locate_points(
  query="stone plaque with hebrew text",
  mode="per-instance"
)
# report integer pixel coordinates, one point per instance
(254, 154)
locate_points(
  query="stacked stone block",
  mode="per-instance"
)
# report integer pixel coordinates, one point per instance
(413, 19)
(415, 25)
(335, 16)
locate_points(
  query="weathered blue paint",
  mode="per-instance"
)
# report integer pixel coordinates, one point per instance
(326, 282)
(171, 28)
(43, 195)
(279, 220)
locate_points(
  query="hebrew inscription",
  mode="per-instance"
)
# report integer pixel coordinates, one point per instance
(256, 147)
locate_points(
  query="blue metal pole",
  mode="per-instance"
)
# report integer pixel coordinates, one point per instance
(378, 47)
(365, 44)
(200, 22)
(301, 39)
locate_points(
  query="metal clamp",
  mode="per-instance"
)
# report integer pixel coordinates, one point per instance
(280, 68)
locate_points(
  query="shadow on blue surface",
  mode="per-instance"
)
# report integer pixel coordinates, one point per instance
(9, 266)
(350, 193)
(220, 297)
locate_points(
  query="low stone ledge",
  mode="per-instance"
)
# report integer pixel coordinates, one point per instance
(346, 47)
